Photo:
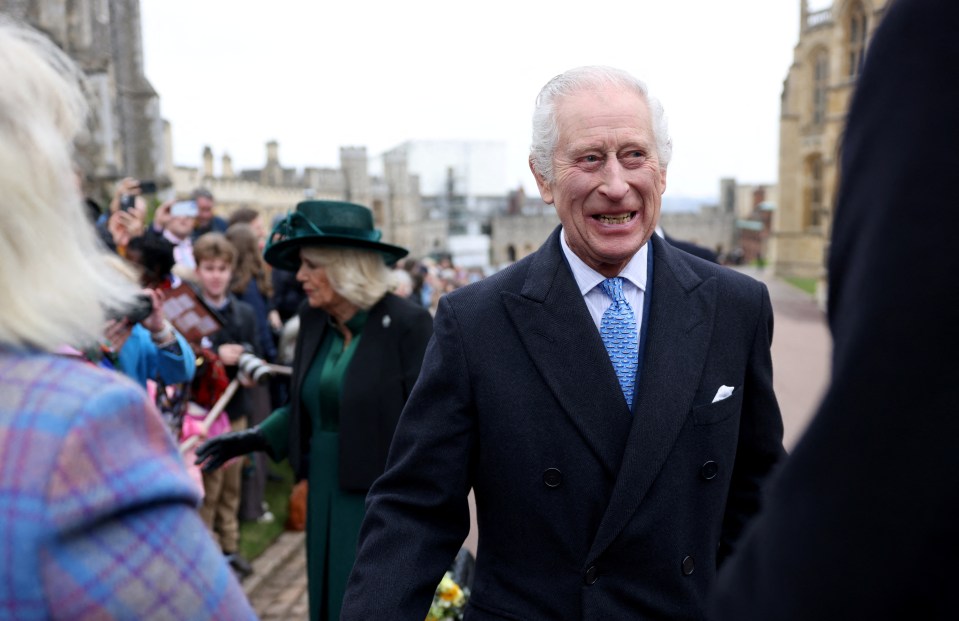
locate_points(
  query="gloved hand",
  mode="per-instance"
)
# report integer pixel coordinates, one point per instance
(217, 451)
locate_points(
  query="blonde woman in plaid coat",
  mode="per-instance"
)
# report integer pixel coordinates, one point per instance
(97, 514)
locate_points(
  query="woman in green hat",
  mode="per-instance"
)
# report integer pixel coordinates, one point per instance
(358, 354)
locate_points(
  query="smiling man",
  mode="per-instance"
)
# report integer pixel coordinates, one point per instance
(609, 399)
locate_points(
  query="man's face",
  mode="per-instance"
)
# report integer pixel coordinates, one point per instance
(181, 226)
(213, 276)
(204, 208)
(607, 186)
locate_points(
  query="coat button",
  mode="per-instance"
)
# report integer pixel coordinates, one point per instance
(552, 477)
(591, 575)
(689, 565)
(709, 470)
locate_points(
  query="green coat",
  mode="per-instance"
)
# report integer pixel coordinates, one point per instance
(383, 359)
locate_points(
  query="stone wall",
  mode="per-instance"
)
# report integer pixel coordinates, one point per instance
(809, 140)
(126, 136)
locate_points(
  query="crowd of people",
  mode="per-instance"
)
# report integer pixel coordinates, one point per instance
(607, 399)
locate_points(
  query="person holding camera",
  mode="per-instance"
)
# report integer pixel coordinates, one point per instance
(147, 346)
(215, 261)
(126, 218)
(143, 343)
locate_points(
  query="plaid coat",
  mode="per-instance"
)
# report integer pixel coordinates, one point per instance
(97, 513)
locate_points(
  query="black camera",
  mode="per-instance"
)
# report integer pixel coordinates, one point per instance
(141, 309)
(127, 201)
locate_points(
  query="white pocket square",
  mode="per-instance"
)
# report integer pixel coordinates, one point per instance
(723, 393)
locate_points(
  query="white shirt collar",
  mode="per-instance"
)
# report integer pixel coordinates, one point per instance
(587, 278)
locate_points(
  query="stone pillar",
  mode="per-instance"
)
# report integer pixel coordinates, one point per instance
(227, 167)
(355, 167)
(207, 162)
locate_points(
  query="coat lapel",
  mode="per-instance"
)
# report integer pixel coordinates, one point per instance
(560, 337)
(679, 331)
(313, 325)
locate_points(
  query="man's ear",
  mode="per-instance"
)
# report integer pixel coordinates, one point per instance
(544, 189)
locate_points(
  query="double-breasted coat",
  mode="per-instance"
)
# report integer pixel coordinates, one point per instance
(585, 509)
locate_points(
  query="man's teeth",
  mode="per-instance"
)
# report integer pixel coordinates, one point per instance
(622, 219)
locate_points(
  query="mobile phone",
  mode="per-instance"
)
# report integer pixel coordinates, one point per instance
(148, 187)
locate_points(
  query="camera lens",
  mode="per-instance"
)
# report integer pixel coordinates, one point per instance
(253, 367)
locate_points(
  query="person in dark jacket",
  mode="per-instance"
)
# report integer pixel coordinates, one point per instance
(358, 355)
(860, 523)
(215, 258)
(608, 399)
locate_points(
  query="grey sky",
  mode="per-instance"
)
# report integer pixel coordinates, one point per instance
(316, 75)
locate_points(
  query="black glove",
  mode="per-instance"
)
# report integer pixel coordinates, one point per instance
(217, 451)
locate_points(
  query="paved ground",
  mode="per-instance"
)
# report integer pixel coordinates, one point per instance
(277, 588)
(802, 348)
(801, 352)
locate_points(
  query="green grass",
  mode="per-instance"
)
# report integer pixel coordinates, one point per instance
(255, 537)
(806, 284)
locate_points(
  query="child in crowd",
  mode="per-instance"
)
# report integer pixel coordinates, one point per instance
(215, 260)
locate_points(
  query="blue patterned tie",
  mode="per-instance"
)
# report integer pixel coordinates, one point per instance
(621, 337)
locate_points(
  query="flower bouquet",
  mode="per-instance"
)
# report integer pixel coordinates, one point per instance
(449, 601)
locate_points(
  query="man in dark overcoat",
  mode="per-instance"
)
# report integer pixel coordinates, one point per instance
(608, 398)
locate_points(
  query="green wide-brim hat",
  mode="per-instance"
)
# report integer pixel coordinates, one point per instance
(326, 223)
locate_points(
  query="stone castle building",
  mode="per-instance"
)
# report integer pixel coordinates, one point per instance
(126, 133)
(394, 196)
(815, 98)
(462, 181)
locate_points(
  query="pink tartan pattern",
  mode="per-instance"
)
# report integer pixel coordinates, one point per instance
(97, 513)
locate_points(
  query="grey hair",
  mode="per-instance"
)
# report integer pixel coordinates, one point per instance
(54, 278)
(360, 276)
(546, 131)
(201, 193)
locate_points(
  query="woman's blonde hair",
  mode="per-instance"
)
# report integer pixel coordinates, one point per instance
(360, 276)
(54, 280)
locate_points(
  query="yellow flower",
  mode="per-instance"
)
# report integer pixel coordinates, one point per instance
(451, 593)
(448, 600)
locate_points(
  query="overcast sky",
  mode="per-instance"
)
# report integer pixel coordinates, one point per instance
(316, 76)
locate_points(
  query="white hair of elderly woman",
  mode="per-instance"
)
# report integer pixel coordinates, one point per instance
(360, 276)
(54, 281)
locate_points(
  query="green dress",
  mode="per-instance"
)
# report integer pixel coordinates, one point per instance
(333, 516)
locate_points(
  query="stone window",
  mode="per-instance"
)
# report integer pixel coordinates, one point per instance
(814, 197)
(820, 85)
(857, 26)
